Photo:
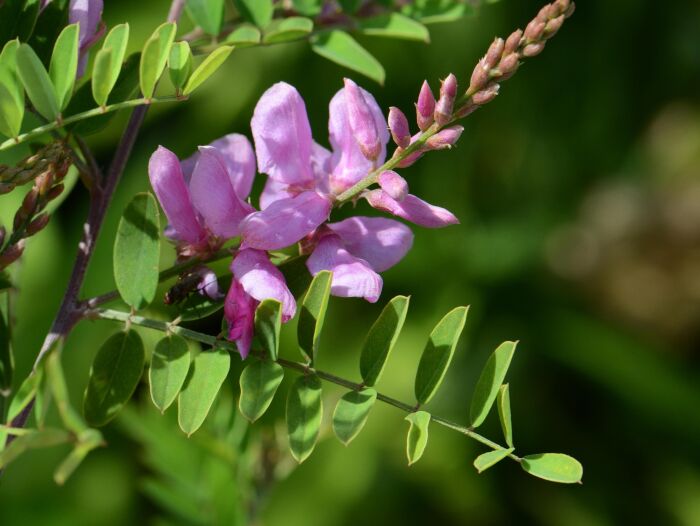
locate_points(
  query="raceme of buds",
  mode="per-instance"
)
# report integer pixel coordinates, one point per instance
(53, 158)
(425, 107)
(362, 122)
(398, 126)
(445, 104)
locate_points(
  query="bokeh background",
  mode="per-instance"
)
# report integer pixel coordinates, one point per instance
(578, 191)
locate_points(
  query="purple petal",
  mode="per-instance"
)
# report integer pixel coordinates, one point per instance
(286, 221)
(88, 13)
(262, 280)
(362, 123)
(380, 241)
(348, 163)
(394, 185)
(412, 209)
(282, 136)
(169, 185)
(273, 191)
(239, 311)
(214, 197)
(209, 284)
(352, 277)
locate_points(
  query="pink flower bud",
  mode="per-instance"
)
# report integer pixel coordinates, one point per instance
(553, 26)
(486, 95)
(398, 125)
(445, 138)
(513, 42)
(480, 76)
(534, 30)
(493, 55)
(508, 66)
(448, 92)
(394, 185)
(425, 107)
(547, 12)
(410, 160)
(532, 50)
(361, 121)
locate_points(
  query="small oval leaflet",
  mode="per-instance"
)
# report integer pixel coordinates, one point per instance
(555, 467)
(207, 14)
(268, 322)
(339, 47)
(259, 12)
(180, 63)
(381, 339)
(417, 436)
(100, 75)
(104, 82)
(169, 366)
(394, 25)
(304, 411)
(438, 354)
(313, 313)
(351, 413)
(204, 380)
(207, 68)
(137, 251)
(244, 35)
(115, 373)
(37, 83)
(259, 382)
(64, 64)
(504, 414)
(11, 91)
(490, 381)
(154, 57)
(287, 29)
(490, 458)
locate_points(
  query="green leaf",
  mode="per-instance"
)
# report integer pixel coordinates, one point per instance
(339, 47)
(169, 365)
(350, 6)
(304, 411)
(137, 251)
(57, 382)
(206, 376)
(268, 322)
(25, 394)
(307, 7)
(259, 382)
(437, 11)
(7, 362)
(243, 36)
(417, 437)
(504, 414)
(88, 440)
(259, 12)
(285, 29)
(37, 83)
(312, 314)
(207, 14)
(64, 64)
(381, 339)
(207, 68)
(490, 381)
(180, 64)
(490, 458)
(351, 413)
(114, 375)
(11, 91)
(438, 354)
(108, 63)
(33, 440)
(394, 25)
(154, 57)
(555, 467)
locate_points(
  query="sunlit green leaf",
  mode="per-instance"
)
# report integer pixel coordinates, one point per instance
(381, 339)
(394, 25)
(307, 7)
(313, 313)
(169, 365)
(555, 467)
(64, 64)
(108, 63)
(286, 29)
(25, 394)
(180, 64)
(207, 68)
(243, 36)
(351, 413)
(304, 411)
(206, 376)
(417, 436)
(259, 12)
(137, 251)
(339, 47)
(490, 458)
(490, 381)
(154, 57)
(11, 91)
(504, 414)
(115, 373)
(259, 382)
(438, 354)
(207, 14)
(268, 322)
(37, 83)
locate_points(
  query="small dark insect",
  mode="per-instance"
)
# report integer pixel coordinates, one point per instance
(186, 284)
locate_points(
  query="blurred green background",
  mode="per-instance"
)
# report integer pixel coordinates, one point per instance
(579, 200)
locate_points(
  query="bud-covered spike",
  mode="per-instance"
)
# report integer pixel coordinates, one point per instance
(448, 93)
(398, 126)
(362, 124)
(425, 107)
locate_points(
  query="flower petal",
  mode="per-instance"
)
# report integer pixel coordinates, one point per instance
(262, 280)
(286, 221)
(282, 136)
(88, 14)
(348, 163)
(352, 277)
(393, 184)
(273, 191)
(239, 311)
(169, 185)
(412, 209)
(214, 197)
(208, 284)
(380, 241)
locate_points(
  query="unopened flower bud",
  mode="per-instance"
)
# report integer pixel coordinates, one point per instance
(44, 182)
(486, 95)
(480, 76)
(410, 160)
(508, 66)
(38, 224)
(547, 12)
(398, 126)
(445, 104)
(534, 30)
(394, 185)
(445, 138)
(513, 42)
(6, 188)
(11, 254)
(532, 50)
(493, 55)
(54, 192)
(425, 107)
(361, 121)
(553, 26)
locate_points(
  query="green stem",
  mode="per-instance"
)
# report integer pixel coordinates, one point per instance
(95, 112)
(213, 341)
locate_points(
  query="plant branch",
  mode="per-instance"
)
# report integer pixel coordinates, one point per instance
(213, 341)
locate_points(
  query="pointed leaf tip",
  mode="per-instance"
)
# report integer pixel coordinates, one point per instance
(490, 381)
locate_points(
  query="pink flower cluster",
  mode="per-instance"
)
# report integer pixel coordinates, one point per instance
(206, 200)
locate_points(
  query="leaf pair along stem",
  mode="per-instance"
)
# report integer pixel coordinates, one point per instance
(213, 341)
